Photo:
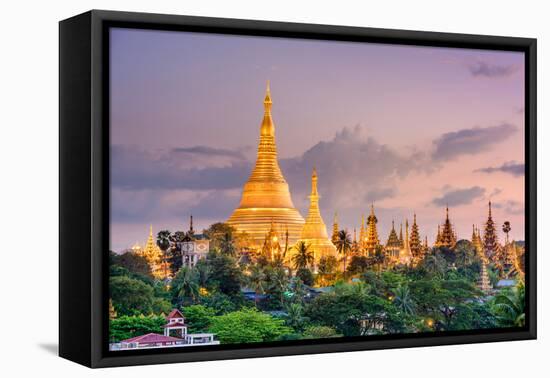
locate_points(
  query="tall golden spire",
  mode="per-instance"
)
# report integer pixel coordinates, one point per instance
(362, 235)
(405, 255)
(372, 233)
(314, 232)
(266, 195)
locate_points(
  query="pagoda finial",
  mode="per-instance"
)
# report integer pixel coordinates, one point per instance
(447, 212)
(268, 127)
(191, 224)
(490, 209)
(151, 230)
(372, 208)
(267, 99)
(314, 179)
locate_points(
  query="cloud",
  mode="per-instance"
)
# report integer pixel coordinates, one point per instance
(380, 194)
(511, 207)
(137, 169)
(484, 69)
(459, 197)
(350, 165)
(209, 152)
(207, 182)
(470, 141)
(511, 167)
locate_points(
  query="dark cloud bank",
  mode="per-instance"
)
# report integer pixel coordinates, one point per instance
(457, 197)
(484, 69)
(511, 167)
(470, 141)
(363, 169)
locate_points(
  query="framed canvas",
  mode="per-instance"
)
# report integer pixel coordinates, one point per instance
(235, 188)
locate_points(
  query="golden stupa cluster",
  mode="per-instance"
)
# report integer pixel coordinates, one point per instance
(266, 214)
(274, 227)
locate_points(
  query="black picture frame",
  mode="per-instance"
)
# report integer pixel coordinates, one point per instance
(84, 185)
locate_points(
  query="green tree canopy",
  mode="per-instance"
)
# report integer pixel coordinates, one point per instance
(248, 326)
(133, 263)
(131, 296)
(198, 318)
(126, 327)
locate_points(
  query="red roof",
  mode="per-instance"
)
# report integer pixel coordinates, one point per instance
(175, 313)
(151, 338)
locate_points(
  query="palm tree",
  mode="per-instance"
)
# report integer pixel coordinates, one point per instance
(404, 301)
(343, 245)
(256, 280)
(303, 257)
(510, 307)
(378, 258)
(186, 283)
(163, 242)
(294, 317)
(227, 245)
(327, 267)
(204, 272)
(435, 264)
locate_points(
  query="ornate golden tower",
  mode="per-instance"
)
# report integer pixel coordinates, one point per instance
(393, 245)
(372, 234)
(266, 197)
(446, 237)
(314, 232)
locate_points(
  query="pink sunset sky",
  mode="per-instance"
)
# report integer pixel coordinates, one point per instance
(407, 128)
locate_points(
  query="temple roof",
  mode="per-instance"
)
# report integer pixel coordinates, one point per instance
(174, 314)
(151, 338)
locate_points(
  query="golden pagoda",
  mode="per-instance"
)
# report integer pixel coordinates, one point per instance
(476, 242)
(372, 240)
(484, 284)
(314, 232)
(153, 255)
(271, 248)
(415, 243)
(266, 196)
(446, 237)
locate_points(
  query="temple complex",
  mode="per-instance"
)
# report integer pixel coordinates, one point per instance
(314, 232)
(266, 197)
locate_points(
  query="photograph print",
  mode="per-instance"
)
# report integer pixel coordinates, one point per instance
(267, 189)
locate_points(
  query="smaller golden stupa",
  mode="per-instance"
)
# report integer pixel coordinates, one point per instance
(314, 233)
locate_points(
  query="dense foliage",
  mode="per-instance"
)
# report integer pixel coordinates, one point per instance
(257, 300)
